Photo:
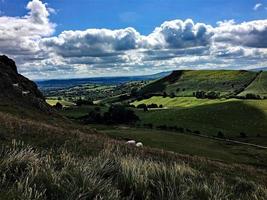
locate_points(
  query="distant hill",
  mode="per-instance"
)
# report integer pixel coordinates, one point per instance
(64, 83)
(187, 82)
(259, 69)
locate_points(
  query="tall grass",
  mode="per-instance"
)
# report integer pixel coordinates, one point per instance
(27, 173)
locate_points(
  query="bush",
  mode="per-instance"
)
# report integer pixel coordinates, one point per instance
(220, 135)
(58, 106)
(153, 105)
(142, 106)
(81, 102)
(252, 96)
(119, 114)
(243, 135)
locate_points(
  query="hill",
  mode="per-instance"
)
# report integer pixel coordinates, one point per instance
(258, 86)
(46, 156)
(187, 82)
(18, 90)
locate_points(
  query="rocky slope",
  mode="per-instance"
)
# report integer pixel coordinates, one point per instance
(16, 88)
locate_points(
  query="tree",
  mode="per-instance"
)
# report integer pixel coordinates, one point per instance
(119, 114)
(220, 135)
(58, 106)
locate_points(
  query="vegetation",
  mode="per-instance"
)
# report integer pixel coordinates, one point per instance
(257, 87)
(230, 116)
(186, 83)
(116, 114)
(113, 174)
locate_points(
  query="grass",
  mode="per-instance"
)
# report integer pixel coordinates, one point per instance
(180, 102)
(57, 159)
(64, 103)
(189, 144)
(185, 83)
(26, 173)
(259, 86)
(231, 117)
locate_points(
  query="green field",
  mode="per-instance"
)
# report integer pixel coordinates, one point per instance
(188, 144)
(259, 86)
(181, 102)
(185, 83)
(64, 103)
(231, 117)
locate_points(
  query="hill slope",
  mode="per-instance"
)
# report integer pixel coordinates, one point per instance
(186, 82)
(258, 86)
(44, 157)
(17, 89)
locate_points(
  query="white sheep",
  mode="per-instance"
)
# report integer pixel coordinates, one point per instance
(131, 142)
(139, 144)
(24, 93)
(15, 85)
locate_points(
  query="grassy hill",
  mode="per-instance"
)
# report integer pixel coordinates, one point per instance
(44, 155)
(186, 82)
(61, 160)
(258, 87)
(231, 117)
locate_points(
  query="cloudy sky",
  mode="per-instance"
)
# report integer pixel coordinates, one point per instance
(86, 38)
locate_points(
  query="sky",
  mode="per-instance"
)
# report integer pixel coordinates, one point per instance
(88, 38)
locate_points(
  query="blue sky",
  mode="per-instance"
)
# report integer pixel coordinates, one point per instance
(81, 38)
(143, 15)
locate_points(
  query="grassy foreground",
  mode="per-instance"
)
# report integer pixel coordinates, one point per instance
(64, 161)
(113, 174)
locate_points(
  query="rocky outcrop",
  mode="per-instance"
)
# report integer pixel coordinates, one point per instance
(15, 87)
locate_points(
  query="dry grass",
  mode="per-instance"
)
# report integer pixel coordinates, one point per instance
(26, 173)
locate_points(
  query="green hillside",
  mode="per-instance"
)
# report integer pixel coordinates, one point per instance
(185, 83)
(231, 117)
(258, 87)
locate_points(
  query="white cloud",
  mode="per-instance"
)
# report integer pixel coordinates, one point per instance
(172, 45)
(250, 34)
(257, 6)
(20, 35)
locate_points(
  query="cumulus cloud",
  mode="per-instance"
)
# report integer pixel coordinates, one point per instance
(172, 45)
(248, 34)
(180, 34)
(20, 35)
(93, 42)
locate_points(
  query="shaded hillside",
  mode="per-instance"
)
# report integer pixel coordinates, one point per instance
(187, 82)
(17, 89)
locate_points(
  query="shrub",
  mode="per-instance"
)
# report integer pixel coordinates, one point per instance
(220, 135)
(58, 106)
(142, 106)
(153, 105)
(243, 135)
(252, 96)
(81, 102)
(119, 114)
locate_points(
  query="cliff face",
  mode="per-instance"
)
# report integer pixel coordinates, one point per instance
(16, 88)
